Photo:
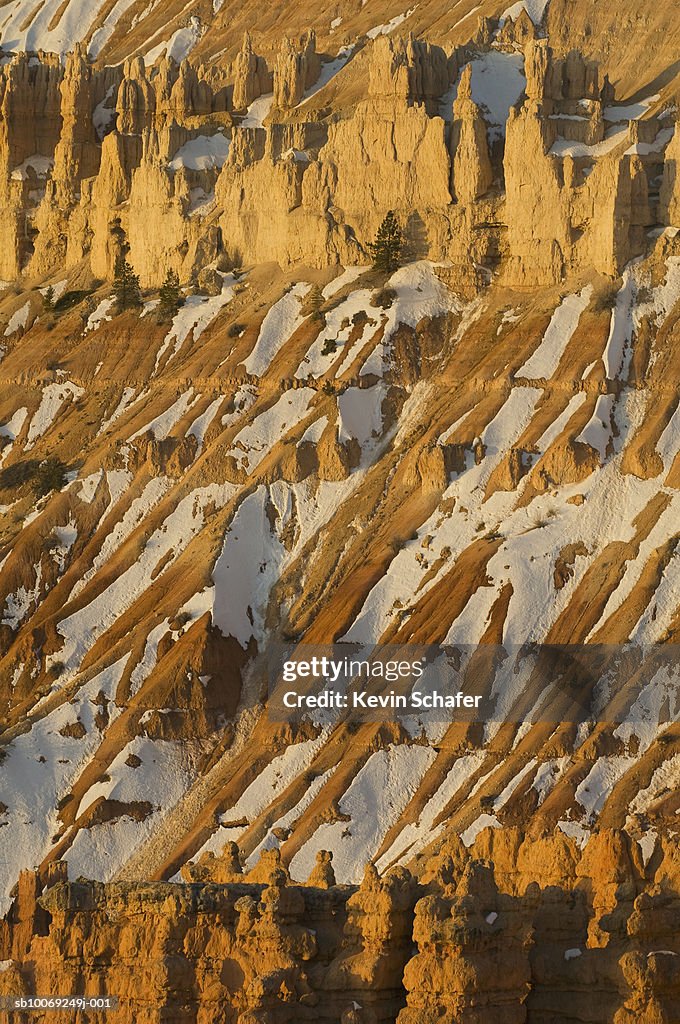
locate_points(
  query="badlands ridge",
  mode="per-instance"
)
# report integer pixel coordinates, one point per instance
(479, 448)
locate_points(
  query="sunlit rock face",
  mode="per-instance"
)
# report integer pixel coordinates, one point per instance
(275, 441)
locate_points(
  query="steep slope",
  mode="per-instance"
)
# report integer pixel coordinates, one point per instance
(638, 51)
(449, 472)
(480, 448)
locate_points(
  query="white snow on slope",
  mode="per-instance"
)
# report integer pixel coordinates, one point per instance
(197, 313)
(82, 628)
(203, 153)
(180, 44)
(255, 440)
(386, 29)
(258, 111)
(100, 315)
(167, 770)
(630, 111)
(126, 400)
(535, 9)
(162, 424)
(102, 35)
(647, 148)
(338, 328)
(565, 147)
(497, 83)
(552, 432)
(547, 775)
(396, 589)
(270, 841)
(53, 398)
(58, 289)
(20, 32)
(202, 423)
(20, 603)
(89, 486)
(32, 788)
(40, 165)
(419, 294)
(246, 569)
(668, 444)
(465, 17)
(662, 531)
(279, 325)
(314, 432)
(503, 797)
(360, 414)
(18, 319)
(328, 72)
(156, 777)
(272, 781)
(483, 821)
(592, 793)
(135, 514)
(544, 361)
(374, 801)
(665, 777)
(348, 276)
(414, 836)
(620, 327)
(65, 537)
(103, 113)
(598, 430)
(11, 430)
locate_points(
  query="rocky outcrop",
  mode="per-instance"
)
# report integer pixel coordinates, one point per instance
(572, 189)
(410, 71)
(522, 936)
(30, 104)
(670, 186)
(297, 68)
(573, 198)
(472, 954)
(252, 77)
(472, 173)
(376, 946)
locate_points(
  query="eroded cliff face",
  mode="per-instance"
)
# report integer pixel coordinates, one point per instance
(245, 162)
(527, 927)
(396, 464)
(480, 448)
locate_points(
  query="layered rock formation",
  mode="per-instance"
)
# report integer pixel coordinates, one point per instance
(297, 68)
(471, 939)
(570, 187)
(480, 448)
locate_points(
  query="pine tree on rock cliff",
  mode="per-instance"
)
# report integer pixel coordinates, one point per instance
(388, 246)
(315, 301)
(51, 476)
(170, 296)
(126, 286)
(48, 299)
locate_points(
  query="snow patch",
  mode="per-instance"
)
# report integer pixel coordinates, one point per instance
(206, 152)
(278, 326)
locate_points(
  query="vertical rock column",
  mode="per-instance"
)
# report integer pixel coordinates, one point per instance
(297, 68)
(472, 174)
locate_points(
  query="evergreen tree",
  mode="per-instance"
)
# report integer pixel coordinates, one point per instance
(171, 299)
(388, 245)
(315, 301)
(51, 476)
(48, 299)
(126, 286)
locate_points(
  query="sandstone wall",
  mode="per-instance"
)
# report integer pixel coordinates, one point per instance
(91, 160)
(523, 929)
